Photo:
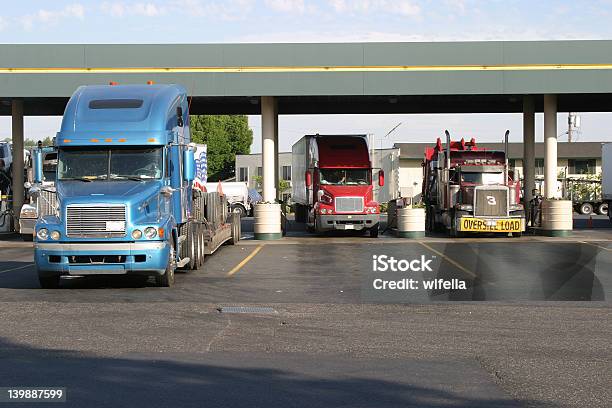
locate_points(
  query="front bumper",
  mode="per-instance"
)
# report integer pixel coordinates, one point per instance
(491, 224)
(120, 258)
(346, 221)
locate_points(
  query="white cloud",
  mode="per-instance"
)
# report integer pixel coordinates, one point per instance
(403, 7)
(3, 23)
(121, 9)
(51, 17)
(287, 6)
(229, 10)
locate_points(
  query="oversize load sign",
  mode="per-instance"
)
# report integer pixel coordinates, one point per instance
(481, 225)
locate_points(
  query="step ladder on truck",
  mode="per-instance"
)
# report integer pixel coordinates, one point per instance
(125, 194)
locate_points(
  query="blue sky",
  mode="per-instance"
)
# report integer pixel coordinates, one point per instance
(203, 21)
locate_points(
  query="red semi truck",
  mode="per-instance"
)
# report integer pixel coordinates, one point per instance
(332, 184)
(467, 189)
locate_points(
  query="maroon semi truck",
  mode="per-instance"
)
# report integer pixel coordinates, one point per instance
(469, 189)
(332, 186)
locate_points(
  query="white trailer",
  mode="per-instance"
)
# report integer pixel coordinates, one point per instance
(606, 176)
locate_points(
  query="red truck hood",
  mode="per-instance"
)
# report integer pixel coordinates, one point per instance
(349, 191)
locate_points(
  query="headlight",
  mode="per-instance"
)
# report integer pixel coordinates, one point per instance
(42, 234)
(150, 232)
(55, 235)
(137, 234)
(28, 212)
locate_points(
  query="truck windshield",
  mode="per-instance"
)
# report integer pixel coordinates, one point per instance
(345, 177)
(483, 178)
(93, 163)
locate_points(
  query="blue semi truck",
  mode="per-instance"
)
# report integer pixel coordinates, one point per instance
(125, 197)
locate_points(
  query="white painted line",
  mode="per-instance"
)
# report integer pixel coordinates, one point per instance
(16, 269)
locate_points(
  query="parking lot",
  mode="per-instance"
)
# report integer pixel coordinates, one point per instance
(531, 329)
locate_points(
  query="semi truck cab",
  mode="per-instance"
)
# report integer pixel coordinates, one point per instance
(332, 184)
(125, 203)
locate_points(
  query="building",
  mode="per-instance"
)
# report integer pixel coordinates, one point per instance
(249, 170)
(574, 160)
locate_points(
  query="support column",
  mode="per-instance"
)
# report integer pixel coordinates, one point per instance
(528, 150)
(556, 214)
(268, 214)
(550, 145)
(276, 161)
(18, 164)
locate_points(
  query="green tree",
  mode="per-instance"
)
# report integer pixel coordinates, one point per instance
(225, 137)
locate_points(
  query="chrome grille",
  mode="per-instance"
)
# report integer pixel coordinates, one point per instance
(349, 204)
(46, 203)
(95, 221)
(490, 202)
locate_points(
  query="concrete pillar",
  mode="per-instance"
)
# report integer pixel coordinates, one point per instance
(268, 214)
(276, 161)
(18, 164)
(528, 149)
(550, 145)
(556, 214)
(268, 149)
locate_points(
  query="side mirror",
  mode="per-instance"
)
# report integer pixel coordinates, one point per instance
(381, 178)
(308, 178)
(37, 163)
(179, 116)
(188, 165)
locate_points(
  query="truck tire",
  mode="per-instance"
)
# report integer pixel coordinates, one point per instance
(239, 209)
(586, 209)
(236, 229)
(49, 281)
(190, 245)
(200, 234)
(301, 213)
(167, 279)
(603, 209)
(374, 232)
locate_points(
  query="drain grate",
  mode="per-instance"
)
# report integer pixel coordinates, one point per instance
(246, 309)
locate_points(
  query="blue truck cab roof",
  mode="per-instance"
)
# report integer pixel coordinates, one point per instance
(123, 115)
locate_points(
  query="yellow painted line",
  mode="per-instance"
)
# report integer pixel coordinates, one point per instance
(272, 69)
(595, 245)
(244, 261)
(450, 260)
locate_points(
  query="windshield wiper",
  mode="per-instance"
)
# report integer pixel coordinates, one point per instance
(122, 176)
(86, 179)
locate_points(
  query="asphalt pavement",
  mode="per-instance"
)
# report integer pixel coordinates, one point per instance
(531, 328)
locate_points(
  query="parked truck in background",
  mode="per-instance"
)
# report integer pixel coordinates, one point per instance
(237, 195)
(467, 189)
(125, 202)
(606, 175)
(44, 202)
(332, 186)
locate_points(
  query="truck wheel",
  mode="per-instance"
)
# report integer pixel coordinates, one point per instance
(586, 209)
(602, 209)
(200, 233)
(195, 236)
(236, 229)
(374, 232)
(30, 237)
(49, 282)
(238, 209)
(167, 279)
(191, 244)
